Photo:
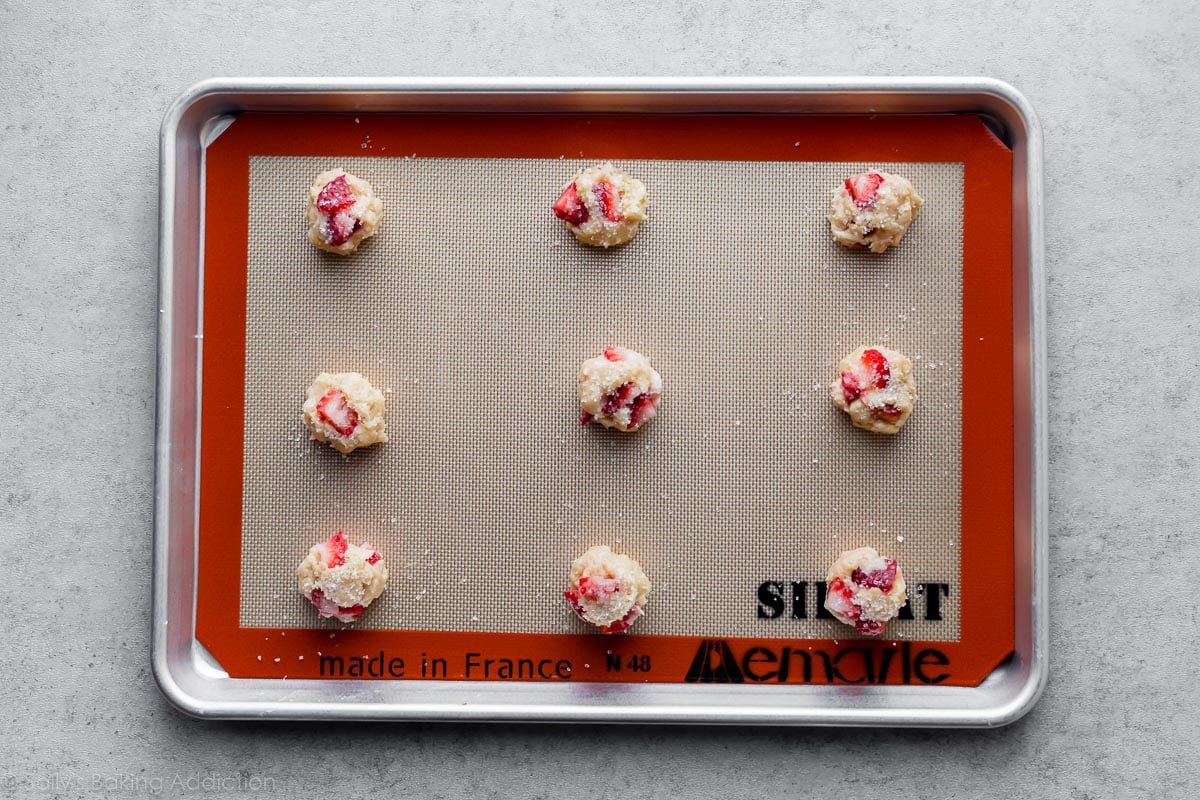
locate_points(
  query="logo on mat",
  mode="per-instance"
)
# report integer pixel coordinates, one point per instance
(714, 663)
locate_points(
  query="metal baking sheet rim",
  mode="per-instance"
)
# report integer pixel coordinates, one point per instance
(196, 685)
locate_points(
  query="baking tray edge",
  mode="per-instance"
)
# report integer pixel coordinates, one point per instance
(193, 683)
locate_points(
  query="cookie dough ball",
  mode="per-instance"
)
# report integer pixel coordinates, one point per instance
(619, 389)
(865, 590)
(344, 410)
(873, 210)
(342, 211)
(607, 590)
(876, 389)
(342, 579)
(603, 206)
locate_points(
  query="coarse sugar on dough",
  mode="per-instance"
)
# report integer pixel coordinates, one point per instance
(875, 387)
(607, 590)
(361, 418)
(342, 579)
(619, 389)
(865, 590)
(877, 219)
(362, 217)
(606, 227)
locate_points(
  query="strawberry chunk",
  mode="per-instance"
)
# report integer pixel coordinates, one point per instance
(335, 550)
(336, 195)
(608, 200)
(612, 354)
(881, 371)
(864, 189)
(618, 398)
(882, 578)
(624, 622)
(869, 627)
(839, 597)
(375, 558)
(334, 410)
(850, 388)
(572, 597)
(569, 206)
(888, 411)
(340, 227)
(327, 608)
(643, 409)
(585, 418)
(598, 588)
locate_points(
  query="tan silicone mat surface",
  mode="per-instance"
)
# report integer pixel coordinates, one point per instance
(472, 309)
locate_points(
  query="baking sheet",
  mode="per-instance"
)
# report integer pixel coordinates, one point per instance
(472, 308)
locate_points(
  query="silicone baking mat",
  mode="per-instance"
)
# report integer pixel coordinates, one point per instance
(472, 308)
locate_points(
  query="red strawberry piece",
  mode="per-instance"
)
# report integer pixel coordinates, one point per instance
(618, 398)
(608, 200)
(336, 195)
(881, 372)
(624, 622)
(864, 188)
(336, 549)
(888, 411)
(324, 605)
(375, 558)
(327, 608)
(350, 611)
(572, 597)
(612, 354)
(850, 388)
(879, 578)
(869, 627)
(585, 418)
(840, 598)
(340, 227)
(643, 409)
(334, 410)
(840, 588)
(317, 598)
(569, 206)
(598, 588)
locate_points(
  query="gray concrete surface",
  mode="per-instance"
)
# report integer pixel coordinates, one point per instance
(83, 87)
